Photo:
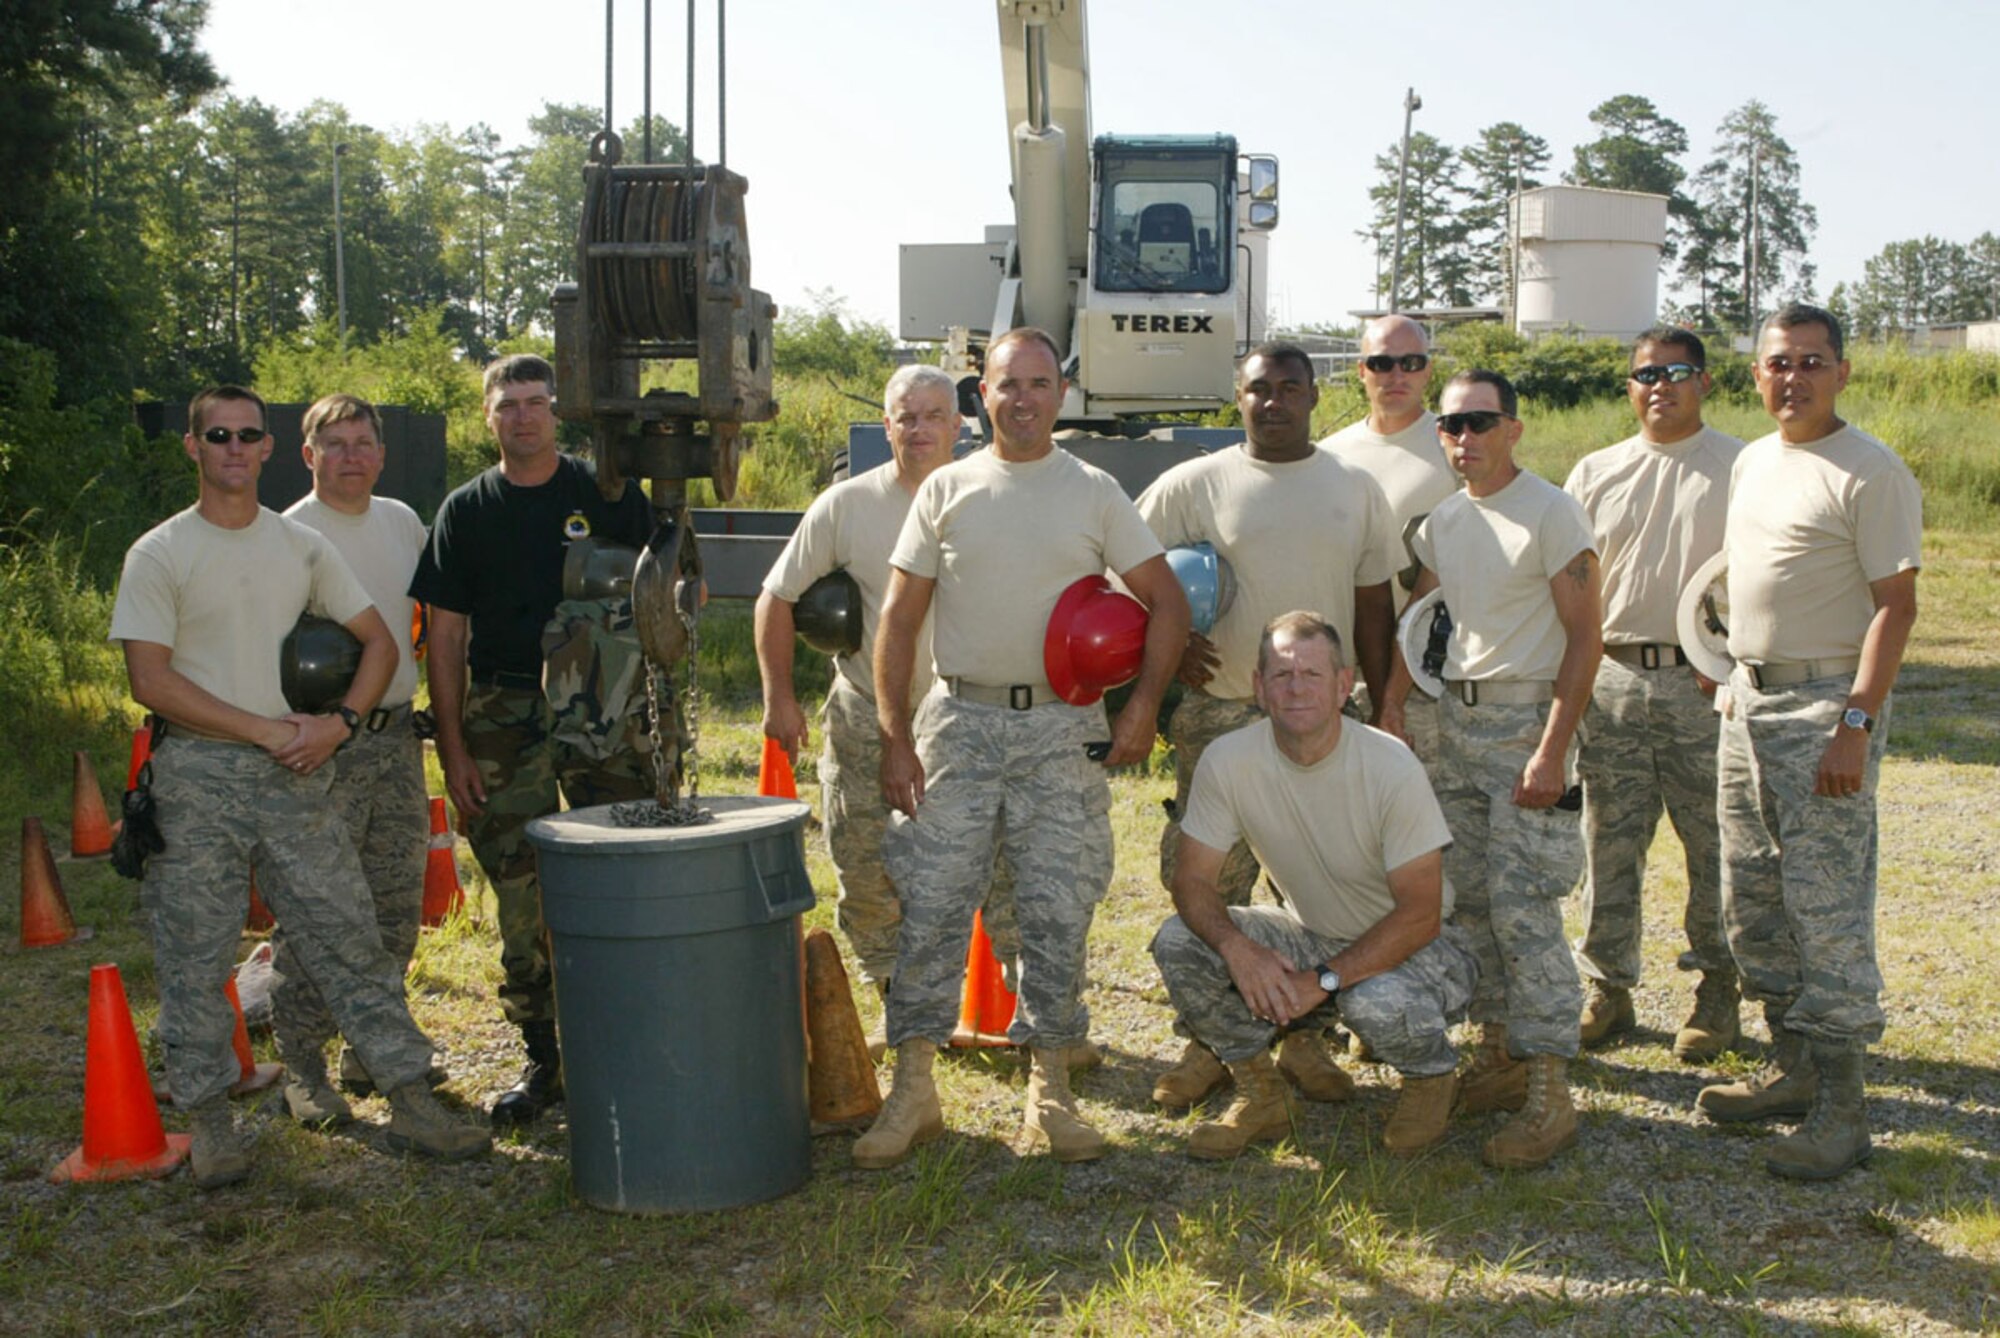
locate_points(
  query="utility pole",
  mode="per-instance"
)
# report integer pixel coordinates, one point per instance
(1411, 102)
(339, 252)
(1756, 234)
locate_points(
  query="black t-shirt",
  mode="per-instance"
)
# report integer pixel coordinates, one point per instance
(496, 555)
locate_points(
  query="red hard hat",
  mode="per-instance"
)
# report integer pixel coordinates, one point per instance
(1096, 640)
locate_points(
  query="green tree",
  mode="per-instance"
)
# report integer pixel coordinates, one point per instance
(1635, 149)
(1506, 160)
(1749, 194)
(1437, 268)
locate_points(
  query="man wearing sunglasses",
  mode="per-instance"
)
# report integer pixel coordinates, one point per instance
(492, 576)
(1823, 538)
(1397, 445)
(1656, 502)
(1302, 529)
(204, 602)
(1517, 562)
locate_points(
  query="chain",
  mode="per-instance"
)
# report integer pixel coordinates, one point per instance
(668, 809)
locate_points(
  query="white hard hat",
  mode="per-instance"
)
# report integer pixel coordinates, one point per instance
(1702, 619)
(1423, 636)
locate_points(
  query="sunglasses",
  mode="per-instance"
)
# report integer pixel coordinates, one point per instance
(249, 436)
(1674, 372)
(1812, 363)
(1475, 421)
(1383, 363)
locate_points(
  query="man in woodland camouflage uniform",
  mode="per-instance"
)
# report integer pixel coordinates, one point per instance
(1824, 541)
(492, 576)
(204, 602)
(997, 538)
(1656, 502)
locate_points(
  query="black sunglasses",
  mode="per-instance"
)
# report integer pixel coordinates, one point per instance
(1675, 372)
(1380, 363)
(1475, 421)
(249, 436)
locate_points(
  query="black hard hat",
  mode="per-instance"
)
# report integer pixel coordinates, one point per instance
(828, 614)
(317, 663)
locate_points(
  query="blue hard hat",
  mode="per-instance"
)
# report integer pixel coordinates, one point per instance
(1206, 579)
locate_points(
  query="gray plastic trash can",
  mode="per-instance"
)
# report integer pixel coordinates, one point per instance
(678, 984)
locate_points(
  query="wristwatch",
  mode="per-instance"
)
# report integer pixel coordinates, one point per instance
(1329, 980)
(350, 718)
(1856, 718)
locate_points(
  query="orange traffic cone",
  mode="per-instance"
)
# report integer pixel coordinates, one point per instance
(442, 893)
(987, 1006)
(89, 824)
(254, 1077)
(142, 753)
(840, 1076)
(774, 773)
(45, 918)
(122, 1136)
(259, 920)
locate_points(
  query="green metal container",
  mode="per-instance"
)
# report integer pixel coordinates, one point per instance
(679, 1000)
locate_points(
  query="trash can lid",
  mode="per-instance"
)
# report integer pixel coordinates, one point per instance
(595, 831)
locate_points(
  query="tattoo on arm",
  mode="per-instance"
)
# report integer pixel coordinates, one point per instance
(1579, 570)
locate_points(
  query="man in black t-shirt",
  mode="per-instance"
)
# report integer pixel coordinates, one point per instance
(492, 576)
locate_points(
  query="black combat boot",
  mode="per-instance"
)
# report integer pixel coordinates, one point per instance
(541, 1082)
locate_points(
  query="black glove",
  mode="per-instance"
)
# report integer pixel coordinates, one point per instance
(139, 837)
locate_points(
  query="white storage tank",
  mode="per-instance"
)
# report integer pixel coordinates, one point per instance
(1588, 260)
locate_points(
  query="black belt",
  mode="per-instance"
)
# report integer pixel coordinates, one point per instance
(1649, 655)
(501, 678)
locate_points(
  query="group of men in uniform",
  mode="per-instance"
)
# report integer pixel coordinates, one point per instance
(1417, 853)
(329, 807)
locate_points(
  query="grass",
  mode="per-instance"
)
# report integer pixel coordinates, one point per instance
(1655, 1222)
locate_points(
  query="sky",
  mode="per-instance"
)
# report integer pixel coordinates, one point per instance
(868, 124)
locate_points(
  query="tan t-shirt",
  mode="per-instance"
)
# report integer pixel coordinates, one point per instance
(1495, 557)
(1809, 528)
(1298, 535)
(853, 525)
(222, 600)
(1003, 539)
(1657, 511)
(381, 547)
(1329, 833)
(1413, 471)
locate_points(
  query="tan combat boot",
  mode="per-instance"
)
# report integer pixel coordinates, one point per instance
(1302, 1057)
(1422, 1113)
(1261, 1112)
(418, 1122)
(1051, 1114)
(1713, 1026)
(1084, 1056)
(1784, 1086)
(1546, 1124)
(216, 1155)
(1607, 1011)
(309, 1095)
(1834, 1138)
(1496, 1080)
(911, 1114)
(1197, 1073)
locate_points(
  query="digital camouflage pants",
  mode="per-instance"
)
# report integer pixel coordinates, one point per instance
(1649, 741)
(224, 807)
(1510, 868)
(1798, 869)
(1404, 1014)
(1018, 784)
(850, 778)
(1198, 721)
(1420, 722)
(378, 788)
(524, 767)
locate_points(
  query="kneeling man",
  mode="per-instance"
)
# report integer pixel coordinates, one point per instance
(1344, 820)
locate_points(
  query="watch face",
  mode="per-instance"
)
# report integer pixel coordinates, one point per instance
(1330, 981)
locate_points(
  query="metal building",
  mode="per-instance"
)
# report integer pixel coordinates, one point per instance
(1587, 260)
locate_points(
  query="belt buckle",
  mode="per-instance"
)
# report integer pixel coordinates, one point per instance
(1468, 691)
(1649, 656)
(1020, 696)
(378, 720)
(1756, 672)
